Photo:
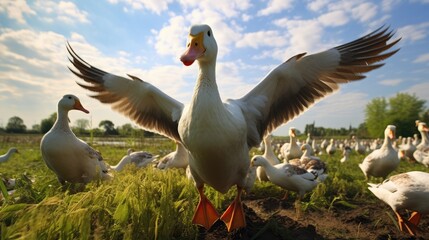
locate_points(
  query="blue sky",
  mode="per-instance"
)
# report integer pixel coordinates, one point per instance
(146, 37)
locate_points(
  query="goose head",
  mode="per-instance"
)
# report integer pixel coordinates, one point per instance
(13, 150)
(70, 102)
(422, 127)
(305, 147)
(292, 132)
(259, 160)
(390, 132)
(201, 46)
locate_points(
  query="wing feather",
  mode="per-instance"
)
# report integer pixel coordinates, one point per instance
(139, 100)
(293, 86)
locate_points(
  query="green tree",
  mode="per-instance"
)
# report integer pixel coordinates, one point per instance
(126, 130)
(81, 125)
(401, 110)
(376, 117)
(47, 123)
(109, 127)
(15, 125)
(404, 109)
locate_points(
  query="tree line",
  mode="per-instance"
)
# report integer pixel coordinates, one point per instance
(402, 110)
(81, 127)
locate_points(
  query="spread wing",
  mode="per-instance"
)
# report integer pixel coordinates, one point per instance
(140, 101)
(298, 83)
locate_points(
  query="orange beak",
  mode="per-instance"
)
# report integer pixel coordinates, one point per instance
(78, 106)
(195, 49)
(391, 134)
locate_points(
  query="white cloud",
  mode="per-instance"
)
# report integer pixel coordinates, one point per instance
(414, 32)
(390, 82)
(226, 8)
(275, 6)
(16, 9)
(334, 18)
(34, 75)
(171, 39)
(68, 12)
(388, 5)
(422, 58)
(156, 6)
(317, 5)
(303, 36)
(420, 90)
(262, 38)
(64, 11)
(365, 11)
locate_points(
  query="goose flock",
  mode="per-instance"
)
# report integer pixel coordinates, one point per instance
(214, 137)
(219, 135)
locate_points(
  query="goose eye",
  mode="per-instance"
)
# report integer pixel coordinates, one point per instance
(69, 97)
(208, 33)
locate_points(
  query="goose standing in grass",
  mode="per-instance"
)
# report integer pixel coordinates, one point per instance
(8, 154)
(331, 148)
(289, 177)
(292, 150)
(422, 149)
(408, 148)
(139, 158)
(346, 154)
(269, 155)
(359, 148)
(177, 159)
(405, 191)
(381, 162)
(313, 164)
(310, 163)
(219, 135)
(70, 158)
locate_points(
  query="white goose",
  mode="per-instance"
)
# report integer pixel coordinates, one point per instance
(289, 177)
(331, 148)
(270, 156)
(405, 191)
(313, 164)
(346, 154)
(177, 159)
(140, 158)
(292, 150)
(8, 154)
(219, 135)
(422, 149)
(70, 158)
(358, 147)
(384, 160)
(408, 148)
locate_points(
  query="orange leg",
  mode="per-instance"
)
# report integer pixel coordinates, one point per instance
(415, 218)
(234, 217)
(406, 225)
(205, 213)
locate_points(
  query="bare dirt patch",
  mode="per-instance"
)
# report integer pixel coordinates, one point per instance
(272, 218)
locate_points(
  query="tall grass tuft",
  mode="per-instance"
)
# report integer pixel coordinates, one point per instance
(137, 204)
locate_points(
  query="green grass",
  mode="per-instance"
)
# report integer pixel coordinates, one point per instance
(140, 203)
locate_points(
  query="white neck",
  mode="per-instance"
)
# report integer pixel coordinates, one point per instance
(62, 121)
(121, 164)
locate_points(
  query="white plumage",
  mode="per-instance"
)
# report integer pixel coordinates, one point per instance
(218, 134)
(405, 191)
(69, 157)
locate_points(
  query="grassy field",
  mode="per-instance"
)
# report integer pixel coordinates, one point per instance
(141, 203)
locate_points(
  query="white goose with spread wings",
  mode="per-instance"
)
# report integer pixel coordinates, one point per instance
(217, 134)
